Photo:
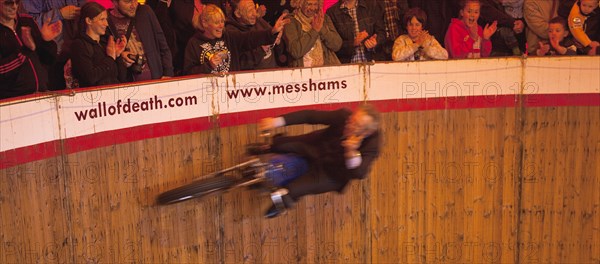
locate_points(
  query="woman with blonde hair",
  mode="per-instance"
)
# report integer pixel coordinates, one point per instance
(214, 50)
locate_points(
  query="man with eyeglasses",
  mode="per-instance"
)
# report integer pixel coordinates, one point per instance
(25, 50)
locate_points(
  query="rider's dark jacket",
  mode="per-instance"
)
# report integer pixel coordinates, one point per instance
(323, 148)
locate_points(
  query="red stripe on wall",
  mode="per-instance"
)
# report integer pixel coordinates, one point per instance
(125, 135)
(46, 150)
(548, 100)
(23, 155)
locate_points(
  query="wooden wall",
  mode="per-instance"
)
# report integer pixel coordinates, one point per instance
(498, 185)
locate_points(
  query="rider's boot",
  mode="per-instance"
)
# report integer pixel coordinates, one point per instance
(279, 206)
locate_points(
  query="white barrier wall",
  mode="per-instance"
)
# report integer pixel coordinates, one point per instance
(185, 105)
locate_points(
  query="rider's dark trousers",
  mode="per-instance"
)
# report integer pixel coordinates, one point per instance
(315, 181)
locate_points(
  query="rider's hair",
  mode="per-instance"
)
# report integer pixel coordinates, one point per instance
(373, 113)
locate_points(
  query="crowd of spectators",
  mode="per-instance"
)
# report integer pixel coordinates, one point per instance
(58, 44)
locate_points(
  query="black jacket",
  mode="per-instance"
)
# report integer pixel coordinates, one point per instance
(176, 22)
(199, 49)
(22, 71)
(253, 59)
(92, 67)
(323, 147)
(370, 18)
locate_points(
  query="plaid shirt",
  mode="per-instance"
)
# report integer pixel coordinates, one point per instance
(359, 52)
(392, 16)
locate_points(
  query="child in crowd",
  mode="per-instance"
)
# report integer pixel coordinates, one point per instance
(417, 44)
(465, 38)
(558, 44)
(578, 24)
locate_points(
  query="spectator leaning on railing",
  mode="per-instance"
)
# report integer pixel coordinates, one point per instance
(417, 44)
(215, 50)
(361, 25)
(93, 62)
(244, 18)
(537, 13)
(24, 50)
(311, 38)
(465, 38)
(584, 24)
(147, 54)
(558, 43)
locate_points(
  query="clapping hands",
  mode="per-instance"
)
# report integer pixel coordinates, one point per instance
(371, 42)
(489, 30)
(115, 48)
(317, 22)
(49, 30)
(360, 37)
(423, 38)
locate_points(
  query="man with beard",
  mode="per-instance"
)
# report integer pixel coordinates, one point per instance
(147, 54)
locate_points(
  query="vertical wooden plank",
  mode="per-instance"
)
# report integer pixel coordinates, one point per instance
(511, 172)
(382, 196)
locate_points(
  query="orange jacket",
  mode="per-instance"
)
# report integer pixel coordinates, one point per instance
(577, 25)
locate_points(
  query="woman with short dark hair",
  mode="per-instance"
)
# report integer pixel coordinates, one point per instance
(417, 44)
